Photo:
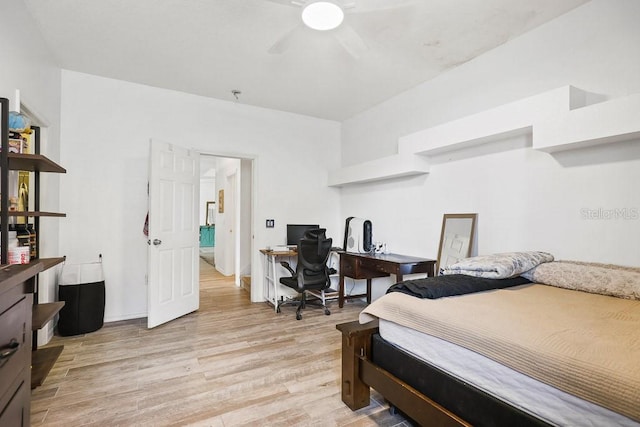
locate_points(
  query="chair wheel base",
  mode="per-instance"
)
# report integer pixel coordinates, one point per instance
(327, 312)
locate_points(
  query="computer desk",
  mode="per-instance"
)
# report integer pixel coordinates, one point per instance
(365, 266)
(271, 285)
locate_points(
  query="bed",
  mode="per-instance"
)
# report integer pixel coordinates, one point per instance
(536, 343)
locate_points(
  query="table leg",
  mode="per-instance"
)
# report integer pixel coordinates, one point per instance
(265, 278)
(275, 283)
(341, 289)
(369, 290)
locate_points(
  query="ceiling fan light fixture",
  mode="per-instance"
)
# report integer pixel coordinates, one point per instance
(322, 15)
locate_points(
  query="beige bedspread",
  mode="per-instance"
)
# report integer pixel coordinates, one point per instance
(585, 344)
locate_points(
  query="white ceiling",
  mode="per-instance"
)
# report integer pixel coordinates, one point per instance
(211, 47)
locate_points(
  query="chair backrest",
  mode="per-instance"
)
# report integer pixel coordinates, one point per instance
(313, 253)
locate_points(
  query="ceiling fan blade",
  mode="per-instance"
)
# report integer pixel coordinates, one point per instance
(283, 43)
(295, 3)
(373, 5)
(351, 41)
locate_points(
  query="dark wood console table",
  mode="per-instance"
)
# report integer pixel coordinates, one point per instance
(365, 266)
(16, 298)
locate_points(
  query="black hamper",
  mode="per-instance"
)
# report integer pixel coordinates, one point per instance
(82, 289)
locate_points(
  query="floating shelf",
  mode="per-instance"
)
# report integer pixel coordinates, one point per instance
(558, 120)
(47, 263)
(32, 163)
(616, 120)
(509, 120)
(42, 360)
(35, 213)
(44, 312)
(399, 165)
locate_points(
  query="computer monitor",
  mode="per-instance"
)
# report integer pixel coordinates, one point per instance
(295, 232)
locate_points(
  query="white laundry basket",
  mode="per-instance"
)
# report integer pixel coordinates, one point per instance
(82, 288)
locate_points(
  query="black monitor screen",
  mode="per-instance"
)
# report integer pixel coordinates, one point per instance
(295, 232)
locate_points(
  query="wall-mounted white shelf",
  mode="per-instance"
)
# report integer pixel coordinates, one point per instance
(607, 122)
(399, 165)
(508, 120)
(557, 120)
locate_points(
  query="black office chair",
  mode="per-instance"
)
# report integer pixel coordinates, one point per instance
(311, 271)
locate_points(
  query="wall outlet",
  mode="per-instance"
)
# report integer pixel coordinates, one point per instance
(271, 223)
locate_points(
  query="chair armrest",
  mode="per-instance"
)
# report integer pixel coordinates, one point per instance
(286, 265)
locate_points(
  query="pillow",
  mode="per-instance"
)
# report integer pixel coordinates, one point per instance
(605, 279)
(498, 266)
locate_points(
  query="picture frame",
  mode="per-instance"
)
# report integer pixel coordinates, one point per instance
(456, 238)
(210, 213)
(221, 201)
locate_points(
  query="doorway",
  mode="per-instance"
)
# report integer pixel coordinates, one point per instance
(226, 211)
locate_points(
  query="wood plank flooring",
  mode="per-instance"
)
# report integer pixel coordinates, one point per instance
(232, 363)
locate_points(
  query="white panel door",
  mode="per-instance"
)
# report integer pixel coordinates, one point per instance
(174, 180)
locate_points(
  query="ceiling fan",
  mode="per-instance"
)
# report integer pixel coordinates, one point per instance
(329, 16)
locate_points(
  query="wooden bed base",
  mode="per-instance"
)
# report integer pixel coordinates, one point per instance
(359, 373)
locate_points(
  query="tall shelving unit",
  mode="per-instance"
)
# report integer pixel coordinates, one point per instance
(42, 313)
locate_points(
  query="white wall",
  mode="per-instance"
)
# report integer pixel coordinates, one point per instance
(106, 126)
(225, 249)
(246, 173)
(28, 66)
(526, 200)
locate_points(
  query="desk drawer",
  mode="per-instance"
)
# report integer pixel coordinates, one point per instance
(358, 267)
(424, 267)
(380, 266)
(15, 340)
(348, 267)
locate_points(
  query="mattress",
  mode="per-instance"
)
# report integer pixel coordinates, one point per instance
(542, 401)
(586, 345)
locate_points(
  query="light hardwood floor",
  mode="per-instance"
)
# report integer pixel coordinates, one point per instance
(231, 363)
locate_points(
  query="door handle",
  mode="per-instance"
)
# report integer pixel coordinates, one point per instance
(156, 242)
(9, 349)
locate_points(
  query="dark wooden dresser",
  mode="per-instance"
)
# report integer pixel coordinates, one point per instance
(16, 287)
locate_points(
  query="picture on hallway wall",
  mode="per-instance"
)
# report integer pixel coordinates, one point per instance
(221, 201)
(210, 213)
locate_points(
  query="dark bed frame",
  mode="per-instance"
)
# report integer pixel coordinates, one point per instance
(444, 400)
